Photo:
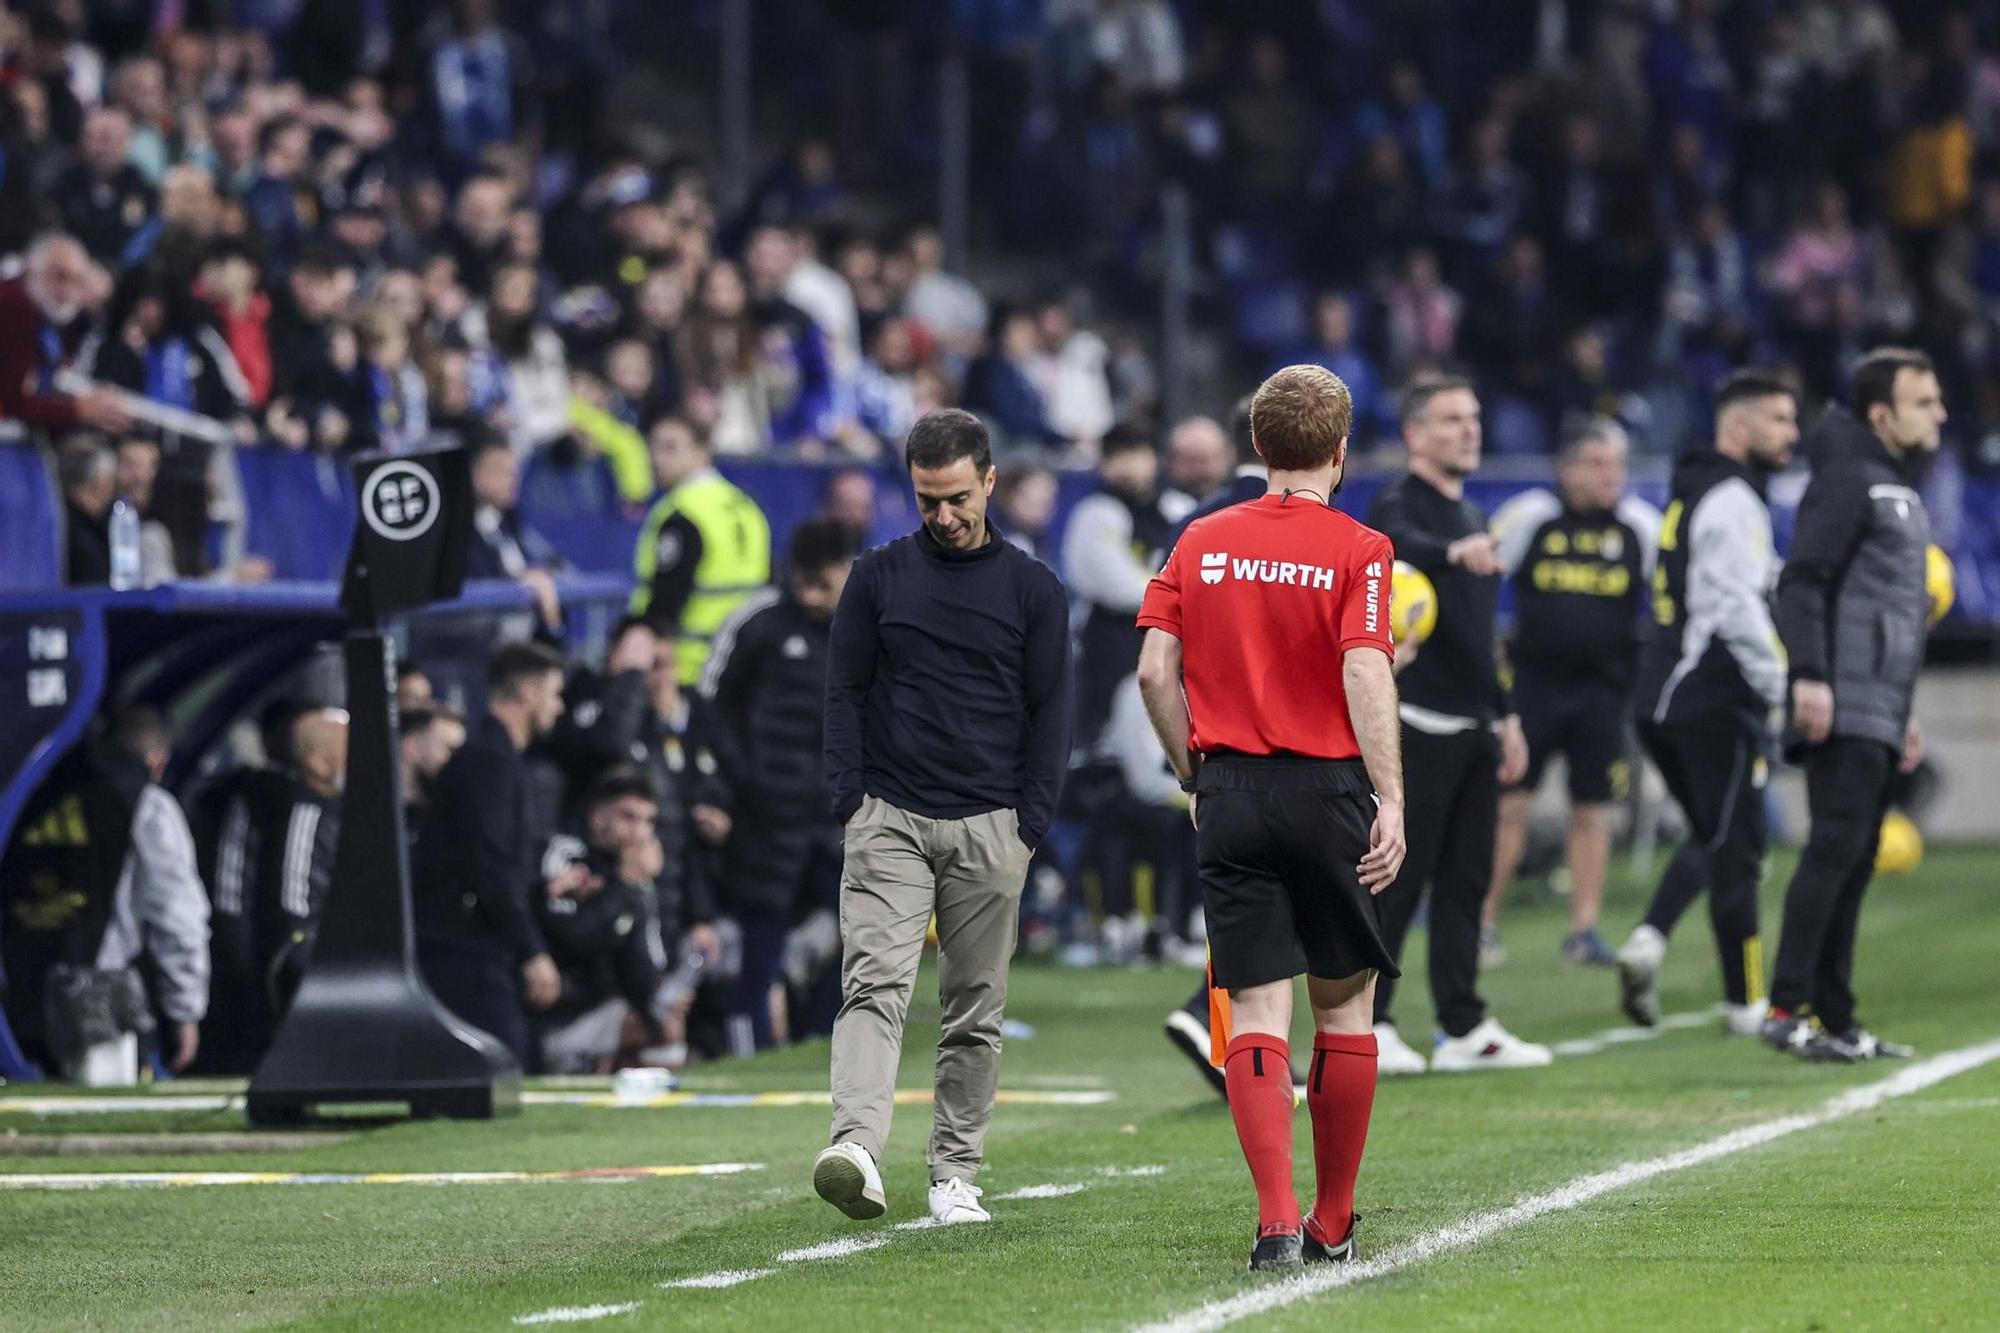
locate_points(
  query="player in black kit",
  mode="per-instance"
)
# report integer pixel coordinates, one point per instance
(1578, 558)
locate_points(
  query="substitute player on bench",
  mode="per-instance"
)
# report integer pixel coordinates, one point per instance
(1266, 671)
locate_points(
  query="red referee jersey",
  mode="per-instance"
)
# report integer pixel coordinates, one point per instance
(1266, 597)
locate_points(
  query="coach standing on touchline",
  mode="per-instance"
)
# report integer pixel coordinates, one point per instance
(1851, 612)
(947, 730)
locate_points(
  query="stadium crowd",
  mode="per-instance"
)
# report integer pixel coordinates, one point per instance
(327, 228)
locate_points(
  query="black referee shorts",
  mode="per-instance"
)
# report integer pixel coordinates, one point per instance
(1280, 841)
(1584, 722)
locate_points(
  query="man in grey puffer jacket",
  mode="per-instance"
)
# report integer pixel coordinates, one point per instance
(1851, 609)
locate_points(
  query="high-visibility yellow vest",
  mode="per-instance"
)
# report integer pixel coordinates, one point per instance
(735, 561)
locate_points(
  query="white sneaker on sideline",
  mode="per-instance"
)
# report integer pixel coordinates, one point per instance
(1645, 948)
(954, 1201)
(1393, 1055)
(1745, 1020)
(845, 1176)
(1488, 1046)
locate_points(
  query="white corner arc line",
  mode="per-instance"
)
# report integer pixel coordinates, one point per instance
(576, 1314)
(730, 1277)
(1480, 1227)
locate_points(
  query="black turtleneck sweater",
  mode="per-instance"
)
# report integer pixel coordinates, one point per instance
(948, 688)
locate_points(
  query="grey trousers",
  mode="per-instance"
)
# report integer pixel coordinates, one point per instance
(898, 869)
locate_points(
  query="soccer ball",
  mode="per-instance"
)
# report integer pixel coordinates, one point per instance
(1940, 584)
(1413, 605)
(1901, 849)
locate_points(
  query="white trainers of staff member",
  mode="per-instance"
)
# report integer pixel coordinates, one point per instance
(1488, 1046)
(846, 1177)
(954, 1201)
(1393, 1055)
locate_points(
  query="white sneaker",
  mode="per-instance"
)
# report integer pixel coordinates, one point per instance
(1745, 1020)
(1645, 948)
(954, 1201)
(1488, 1046)
(1393, 1055)
(845, 1176)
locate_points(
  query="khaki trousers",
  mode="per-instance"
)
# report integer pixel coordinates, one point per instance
(899, 868)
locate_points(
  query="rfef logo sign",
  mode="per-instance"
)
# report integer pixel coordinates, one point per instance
(401, 501)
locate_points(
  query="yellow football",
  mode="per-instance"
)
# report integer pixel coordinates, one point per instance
(1901, 849)
(1413, 604)
(1940, 584)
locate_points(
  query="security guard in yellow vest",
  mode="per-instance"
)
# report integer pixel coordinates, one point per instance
(705, 546)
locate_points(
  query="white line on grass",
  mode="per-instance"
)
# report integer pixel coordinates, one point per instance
(1043, 1192)
(834, 1249)
(1484, 1226)
(729, 1277)
(1599, 1041)
(576, 1314)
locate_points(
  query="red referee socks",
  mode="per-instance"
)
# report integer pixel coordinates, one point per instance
(1258, 1075)
(1340, 1091)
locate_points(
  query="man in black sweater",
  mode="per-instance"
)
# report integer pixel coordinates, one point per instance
(1461, 738)
(947, 730)
(477, 942)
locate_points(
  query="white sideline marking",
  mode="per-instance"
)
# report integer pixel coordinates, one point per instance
(834, 1249)
(576, 1314)
(729, 1277)
(1043, 1192)
(1610, 1037)
(1480, 1227)
(610, 1101)
(1130, 1172)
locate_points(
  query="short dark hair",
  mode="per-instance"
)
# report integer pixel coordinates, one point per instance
(1239, 430)
(1416, 397)
(138, 731)
(821, 543)
(1748, 385)
(618, 782)
(1873, 378)
(480, 443)
(515, 664)
(1123, 438)
(941, 438)
(409, 667)
(655, 420)
(625, 624)
(1590, 432)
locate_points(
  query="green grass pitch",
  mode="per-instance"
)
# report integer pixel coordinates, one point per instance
(1884, 1220)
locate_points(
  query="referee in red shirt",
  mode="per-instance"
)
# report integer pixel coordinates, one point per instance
(1266, 670)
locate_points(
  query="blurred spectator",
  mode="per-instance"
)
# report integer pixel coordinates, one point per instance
(1116, 541)
(157, 346)
(478, 943)
(1422, 315)
(1199, 463)
(503, 546)
(1069, 372)
(103, 199)
(515, 347)
(767, 686)
(281, 201)
(138, 469)
(793, 362)
(230, 281)
(1001, 386)
(413, 686)
(477, 73)
(1407, 114)
(101, 877)
(1485, 198)
(705, 546)
(597, 913)
(1024, 500)
(1514, 321)
(392, 400)
(88, 474)
(427, 737)
(947, 305)
(1821, 273)
(1335, 347)
(41, 326)
(1709, 305)
(1269, 120)
(885, 388)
